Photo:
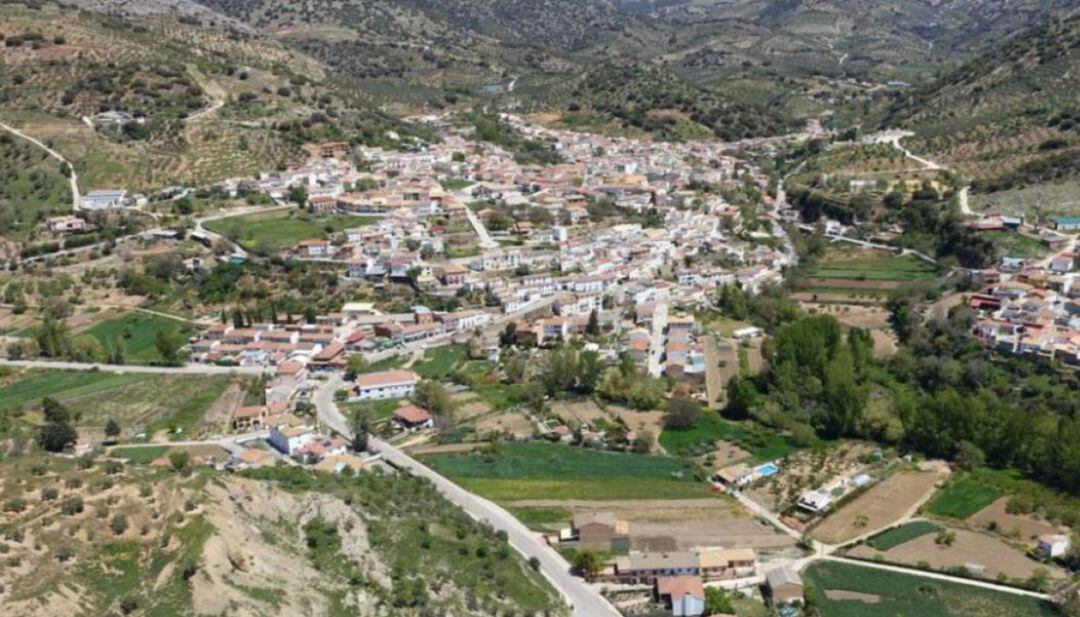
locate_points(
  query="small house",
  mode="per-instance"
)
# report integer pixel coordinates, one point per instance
(683, 595)
(1052, 546)
(785, 586)
(412, 418)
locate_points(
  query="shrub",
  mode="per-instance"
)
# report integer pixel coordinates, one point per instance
(49, 493)
(119, 524)
(15, 505)
(72, 506)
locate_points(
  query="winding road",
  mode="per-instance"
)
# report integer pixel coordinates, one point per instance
(76, 199)
(585, 600)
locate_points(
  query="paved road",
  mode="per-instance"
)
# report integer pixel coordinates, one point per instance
(586, 601)
(76, 199)
(188, 369)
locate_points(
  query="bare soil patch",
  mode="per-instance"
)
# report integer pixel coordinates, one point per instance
(884, 343)
(1012, 525)
(885, 503)
(581, 411)
(843, 594)
(513, 422)
(969, 547)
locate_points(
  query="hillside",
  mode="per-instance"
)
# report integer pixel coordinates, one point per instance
(205, 100)
(1009, 118)
(102, 537)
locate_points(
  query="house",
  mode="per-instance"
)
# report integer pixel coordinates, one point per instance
(413, 418)
(723, 563)
(104, 200)
(785, 586)
(643, 568)
(397, 383)
(1065, 223)
(601, 531)
(290, 439)
(815, 502)
(321, 448)
(313, 248)
(1053, 546)
(736, 475)
(683, 595)
(65, 224)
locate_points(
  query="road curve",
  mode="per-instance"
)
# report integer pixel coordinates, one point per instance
(188, 369)
(583, 599)
(73, 178)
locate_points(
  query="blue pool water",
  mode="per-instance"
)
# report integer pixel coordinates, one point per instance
(766, 469)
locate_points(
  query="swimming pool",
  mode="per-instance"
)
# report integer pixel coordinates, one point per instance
(766, 469)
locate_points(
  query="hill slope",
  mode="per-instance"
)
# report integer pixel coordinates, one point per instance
(1008, 118)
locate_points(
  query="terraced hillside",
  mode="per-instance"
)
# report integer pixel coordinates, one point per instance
(206, 100)
(1007, 119)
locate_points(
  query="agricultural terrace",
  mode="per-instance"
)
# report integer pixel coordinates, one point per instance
(869, 272)
(540, 470)
(846, 590)
(136, 334)
(760, 443)
(962, 498)
(271, 232)
(881, 505)
(136, 401)
(896, 536)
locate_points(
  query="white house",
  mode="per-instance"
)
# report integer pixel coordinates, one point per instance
(397, 383)
(815, 501)
(1053, 546)
(290, 439)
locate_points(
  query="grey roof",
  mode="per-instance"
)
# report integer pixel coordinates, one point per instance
(783, 576)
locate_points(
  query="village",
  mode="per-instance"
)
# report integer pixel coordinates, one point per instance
(475, 270)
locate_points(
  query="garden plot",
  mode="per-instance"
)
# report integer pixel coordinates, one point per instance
(803, 470)
(512, 422)
(880, 506)
(468, 406)
(905, 595)
(968, 548)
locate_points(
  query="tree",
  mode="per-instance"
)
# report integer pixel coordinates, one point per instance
(168, 347)
(119, 524)
(360, 429)
(112, 429)
(969, 456)
(642, 443)
(298, 195)
(179, 460)
(682, 412)
(717, 602)
(432, 396)
(587, 563)
(57, 436)
(354, 365)
(593, 327)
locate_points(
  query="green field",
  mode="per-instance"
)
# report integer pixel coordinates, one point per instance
(904, 595)
(136, 401)
(140, 456)
(762, 443)
(962, 498)
(1012, 244)
(271, 232)
(438, 362)
(137, 332)
(535, 470)
(896, 536)
(874, 267)
(540, 516)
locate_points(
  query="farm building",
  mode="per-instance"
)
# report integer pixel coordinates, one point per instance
(683, 595)
(396, 383)
(601, 530)
(785, 586)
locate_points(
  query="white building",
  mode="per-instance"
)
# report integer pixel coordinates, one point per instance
(398, 383)
(1053, 546)
(104, 200)
(290, 439)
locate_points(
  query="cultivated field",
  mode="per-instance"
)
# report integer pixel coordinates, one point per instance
(881, 505)
(540, 470)
(271, 232)
(902, 595)
(865, 272)
(968, 548)
(137, 402)
(661, 525)
(136, 333)
(962, 498)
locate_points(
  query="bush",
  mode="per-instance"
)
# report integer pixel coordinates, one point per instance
(49, 493)
(15, 505)
(119, 524)
(72, 506)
